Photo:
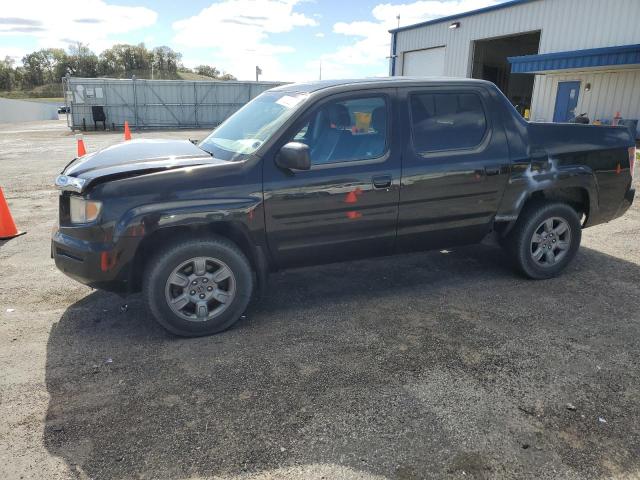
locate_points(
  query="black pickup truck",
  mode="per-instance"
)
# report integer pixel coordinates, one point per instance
(332, 171)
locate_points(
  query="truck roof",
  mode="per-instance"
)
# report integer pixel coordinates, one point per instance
(373, 82)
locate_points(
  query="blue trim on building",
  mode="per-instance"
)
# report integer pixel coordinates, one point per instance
(394, 55)
(593, 57)
(500, 6)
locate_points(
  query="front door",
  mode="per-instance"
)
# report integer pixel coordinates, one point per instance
(346, 205)
(566, 101)
(455, 166)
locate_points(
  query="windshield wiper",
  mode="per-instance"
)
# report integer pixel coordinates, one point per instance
(205, 150)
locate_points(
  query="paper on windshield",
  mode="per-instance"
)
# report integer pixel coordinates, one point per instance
(288, 101)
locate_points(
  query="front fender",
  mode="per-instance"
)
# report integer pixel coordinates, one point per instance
(144, 229)
(146, 219)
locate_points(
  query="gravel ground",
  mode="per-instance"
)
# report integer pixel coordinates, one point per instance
(436, 365)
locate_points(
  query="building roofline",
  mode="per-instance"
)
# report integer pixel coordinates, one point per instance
(511, 3)
(574, 59)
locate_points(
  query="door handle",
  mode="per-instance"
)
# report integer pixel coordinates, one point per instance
(383, 181)
(492, 170)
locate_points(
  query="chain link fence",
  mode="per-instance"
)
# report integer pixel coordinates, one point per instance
(154, 103)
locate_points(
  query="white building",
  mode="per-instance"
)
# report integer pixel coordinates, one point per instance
(558, 58)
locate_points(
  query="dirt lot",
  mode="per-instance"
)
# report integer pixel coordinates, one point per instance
(437, 365)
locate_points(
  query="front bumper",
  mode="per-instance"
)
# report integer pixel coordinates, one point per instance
(97, 265)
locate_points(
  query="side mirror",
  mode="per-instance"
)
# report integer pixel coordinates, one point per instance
(294, 156)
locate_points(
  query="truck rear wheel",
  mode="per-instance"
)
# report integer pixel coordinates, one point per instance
(198, 287)
(545, 239)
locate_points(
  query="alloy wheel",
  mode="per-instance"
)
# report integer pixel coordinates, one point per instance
(200, 289)
(550, 241)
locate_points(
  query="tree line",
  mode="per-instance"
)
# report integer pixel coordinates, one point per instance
(48, 65)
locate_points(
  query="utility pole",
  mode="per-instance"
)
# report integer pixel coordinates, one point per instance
(320, 76)
(258, 72)
(398, 17)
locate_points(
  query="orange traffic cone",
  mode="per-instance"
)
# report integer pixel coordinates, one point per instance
(81, 150)
(127, 132)
(7, 225)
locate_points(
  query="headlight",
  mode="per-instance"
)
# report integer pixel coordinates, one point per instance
(84, 211)
(71, 184)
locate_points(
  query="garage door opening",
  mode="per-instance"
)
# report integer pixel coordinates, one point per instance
(428, 62)
(490, 63)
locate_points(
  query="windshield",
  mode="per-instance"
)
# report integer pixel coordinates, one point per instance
(244, 131)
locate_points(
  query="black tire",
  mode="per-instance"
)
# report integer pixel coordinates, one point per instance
(519, 241)
(162, 265)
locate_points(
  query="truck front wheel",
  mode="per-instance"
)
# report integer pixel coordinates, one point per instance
(198, 287)
(545, 239)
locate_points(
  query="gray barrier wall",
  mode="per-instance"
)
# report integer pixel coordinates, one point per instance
(26, 111)
(156, 103)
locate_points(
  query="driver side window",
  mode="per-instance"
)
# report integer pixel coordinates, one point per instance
(346, 130)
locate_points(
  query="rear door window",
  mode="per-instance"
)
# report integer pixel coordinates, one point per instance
(446, 121)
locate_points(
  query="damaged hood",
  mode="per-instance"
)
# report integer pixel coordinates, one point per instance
(139, 156)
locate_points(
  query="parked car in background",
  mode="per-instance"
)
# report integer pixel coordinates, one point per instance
(64, 109)
(332, 171)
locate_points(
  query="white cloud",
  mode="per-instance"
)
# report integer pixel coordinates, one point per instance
(320, 35)
(371, 38)
(57, 24)
(238, 31)
(15, 53)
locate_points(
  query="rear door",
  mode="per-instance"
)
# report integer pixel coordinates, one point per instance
(455, 166)
(346, 205)
(566, 101)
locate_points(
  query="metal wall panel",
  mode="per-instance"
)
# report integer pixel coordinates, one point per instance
(157, 103)
(611, 92)
(565, 25)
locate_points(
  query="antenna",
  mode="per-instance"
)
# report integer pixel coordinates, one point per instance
(398, 17)
(320, 76)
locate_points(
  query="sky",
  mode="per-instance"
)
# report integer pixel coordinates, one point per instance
(288, 39)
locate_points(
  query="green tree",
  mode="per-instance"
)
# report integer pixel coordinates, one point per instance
(60, 62)
(7, 74)
(165, 60)
(81, 61)
(109, 63)
(207, 71)
(34, 69)
(48, 65)
(213, 72)
(123, 60)
(54, 64)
